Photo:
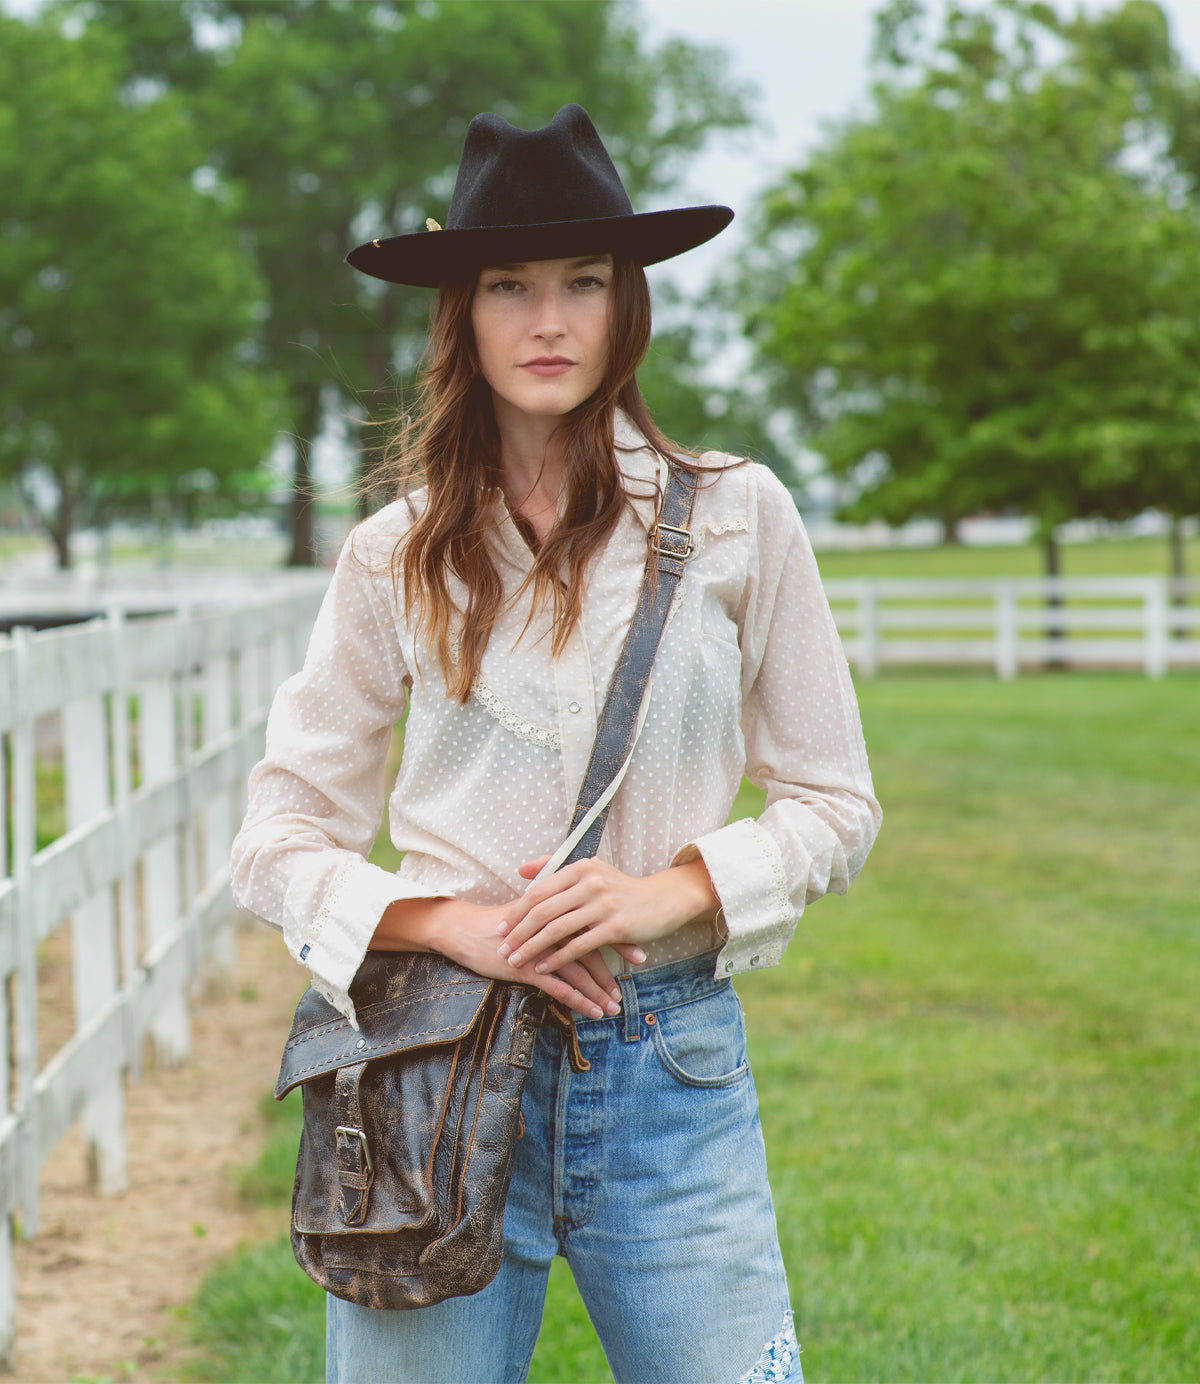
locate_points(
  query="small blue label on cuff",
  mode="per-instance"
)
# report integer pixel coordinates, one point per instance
(304, 951)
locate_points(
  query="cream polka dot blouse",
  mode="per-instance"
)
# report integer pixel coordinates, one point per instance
(750, 678)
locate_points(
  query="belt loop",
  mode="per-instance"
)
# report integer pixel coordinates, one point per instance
(629, 1007)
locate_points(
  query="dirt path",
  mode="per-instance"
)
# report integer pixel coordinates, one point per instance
(96, 1287)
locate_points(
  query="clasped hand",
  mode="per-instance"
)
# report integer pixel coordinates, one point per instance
(564, 919)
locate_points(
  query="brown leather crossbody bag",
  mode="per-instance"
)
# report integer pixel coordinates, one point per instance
(411, 1120)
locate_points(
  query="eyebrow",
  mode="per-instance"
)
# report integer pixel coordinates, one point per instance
(581, 263)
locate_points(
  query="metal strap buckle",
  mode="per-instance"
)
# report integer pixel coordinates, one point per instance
(351, 1133)
(684, 534)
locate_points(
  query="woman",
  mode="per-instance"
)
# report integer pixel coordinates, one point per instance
(497, 598)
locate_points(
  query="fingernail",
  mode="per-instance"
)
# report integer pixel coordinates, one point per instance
(503, 949)
(541, 968)
(596, 1014)
(639, 956)
(502, 926)
(615, 993)
(613, 1007)
(514, 959)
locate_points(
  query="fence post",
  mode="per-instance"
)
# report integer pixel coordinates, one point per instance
(93, 943)
(1005, 631)
(158, 745)
(1154, 616)
(24, 843)
(216, 719)
(122, 775)
(868, 629)
(8, 1291)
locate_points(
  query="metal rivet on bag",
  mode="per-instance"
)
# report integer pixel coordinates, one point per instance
(728, 967)
(754, 961)
(650, 1019)
(362, 1043)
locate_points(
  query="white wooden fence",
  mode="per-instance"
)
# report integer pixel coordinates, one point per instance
(159, 721)
(1098, 622)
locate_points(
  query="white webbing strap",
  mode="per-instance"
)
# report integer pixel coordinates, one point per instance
(602, 801)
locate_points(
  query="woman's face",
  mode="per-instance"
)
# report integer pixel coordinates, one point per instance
(542, 333)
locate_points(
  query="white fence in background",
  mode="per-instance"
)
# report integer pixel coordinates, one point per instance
(1015, 623)
(159, 720)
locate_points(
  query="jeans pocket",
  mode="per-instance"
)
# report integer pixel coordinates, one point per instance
(703, 1042)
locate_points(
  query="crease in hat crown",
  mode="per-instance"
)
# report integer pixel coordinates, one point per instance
(536, 194)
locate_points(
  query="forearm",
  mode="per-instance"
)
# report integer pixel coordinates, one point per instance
(687, 892)
(417, 925)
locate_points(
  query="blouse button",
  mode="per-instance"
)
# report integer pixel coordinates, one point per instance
(574, 707)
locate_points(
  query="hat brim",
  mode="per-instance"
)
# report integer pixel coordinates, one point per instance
(428, 258)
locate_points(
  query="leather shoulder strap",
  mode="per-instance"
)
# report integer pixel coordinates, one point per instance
(672, 546)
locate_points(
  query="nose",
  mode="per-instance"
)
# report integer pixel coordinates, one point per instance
(548, 320)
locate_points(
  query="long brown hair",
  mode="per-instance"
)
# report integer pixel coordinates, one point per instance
(452, 447)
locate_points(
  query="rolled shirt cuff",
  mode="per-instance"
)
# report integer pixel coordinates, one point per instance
(333, 944)
(748, 876)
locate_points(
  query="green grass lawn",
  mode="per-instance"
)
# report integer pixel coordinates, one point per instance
(1117, 557)
(978, 1072)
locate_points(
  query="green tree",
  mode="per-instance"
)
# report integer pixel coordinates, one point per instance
(1133, 43)
(339, 121)
(126, 323)
(972, 299)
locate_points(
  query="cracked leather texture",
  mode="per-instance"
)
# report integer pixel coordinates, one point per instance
(441, 1125)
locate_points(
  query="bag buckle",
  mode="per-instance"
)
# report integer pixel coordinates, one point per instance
(351, 1133)
(670, 550)
(530, 1013)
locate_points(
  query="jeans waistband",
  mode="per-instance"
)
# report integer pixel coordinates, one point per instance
(659, 988)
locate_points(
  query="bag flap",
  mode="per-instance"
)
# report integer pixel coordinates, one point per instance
(402, 1000)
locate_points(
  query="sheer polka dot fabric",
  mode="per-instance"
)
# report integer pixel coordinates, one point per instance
(750, 677)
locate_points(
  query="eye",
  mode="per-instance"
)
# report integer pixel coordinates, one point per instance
(504, 287)
(589, 281)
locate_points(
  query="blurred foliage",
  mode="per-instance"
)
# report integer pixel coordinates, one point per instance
(696, 412)
(986, 294)
(327, 124)
(126, 304)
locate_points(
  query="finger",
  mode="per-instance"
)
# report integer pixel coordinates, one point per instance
(577, 975)
(593, 963)
(571, 950)
(630, 951)
(549, 923)
(577, 990)
(531, 868)
(518, 909)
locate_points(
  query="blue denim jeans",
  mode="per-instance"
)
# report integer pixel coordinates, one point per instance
(647, 1172)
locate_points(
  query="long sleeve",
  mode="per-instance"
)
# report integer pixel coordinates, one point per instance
(316, 798)
(804, 745)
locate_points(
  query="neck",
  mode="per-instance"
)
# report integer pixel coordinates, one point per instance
(531, 464)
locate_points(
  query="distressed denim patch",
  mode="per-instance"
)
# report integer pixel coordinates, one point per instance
(780, 1359)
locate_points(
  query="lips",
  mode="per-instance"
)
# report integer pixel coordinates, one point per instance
(547, 365)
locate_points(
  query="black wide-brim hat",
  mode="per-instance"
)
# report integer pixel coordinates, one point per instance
(524, 195)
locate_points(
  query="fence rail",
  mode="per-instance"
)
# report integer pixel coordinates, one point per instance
(1145, 622)
(155, 722)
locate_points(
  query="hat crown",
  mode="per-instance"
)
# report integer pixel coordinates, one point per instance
(512, 177)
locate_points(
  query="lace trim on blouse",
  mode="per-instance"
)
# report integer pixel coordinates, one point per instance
(512, 720)
(783, 897)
